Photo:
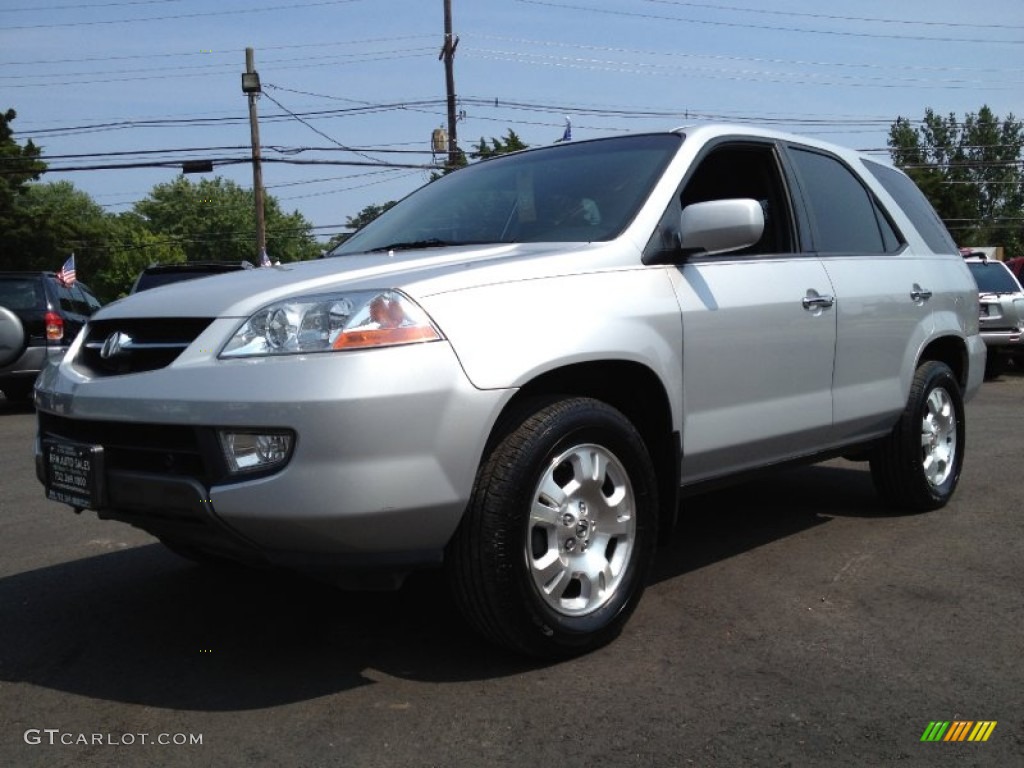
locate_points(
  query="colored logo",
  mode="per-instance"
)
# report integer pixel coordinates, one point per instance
(958, 730)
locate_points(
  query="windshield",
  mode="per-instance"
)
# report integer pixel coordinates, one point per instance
(993, 277)
(565, 193)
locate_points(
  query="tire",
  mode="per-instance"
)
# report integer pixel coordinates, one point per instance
(18, 391)
(554, 551)
(917, 467)
(995, 365)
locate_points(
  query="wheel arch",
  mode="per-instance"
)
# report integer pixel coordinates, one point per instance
(636, 391)
(950, 350)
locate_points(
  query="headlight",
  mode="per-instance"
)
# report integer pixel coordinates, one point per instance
(330, 322)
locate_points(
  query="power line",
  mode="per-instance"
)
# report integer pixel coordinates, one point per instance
(767, 27)
(231, 52)
(226, 120)
(335, 58)
(245, 11)
(227, 161)
(874, 20)
(365, 57)
(395, 175)
(600, 65)
(314, 129)
(87, 5)
(754, 59)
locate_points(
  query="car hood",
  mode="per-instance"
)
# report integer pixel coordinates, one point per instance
(418, 273)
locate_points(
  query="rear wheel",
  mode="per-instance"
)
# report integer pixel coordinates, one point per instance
(917, 467)
(554, 551)
(18, 390)
(995, 365)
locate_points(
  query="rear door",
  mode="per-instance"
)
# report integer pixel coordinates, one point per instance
(884, 293)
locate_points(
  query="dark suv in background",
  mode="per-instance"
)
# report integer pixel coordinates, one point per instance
(39, 318)
(164, 274)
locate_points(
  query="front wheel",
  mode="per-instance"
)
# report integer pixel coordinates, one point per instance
(555, 548)
(917, 467)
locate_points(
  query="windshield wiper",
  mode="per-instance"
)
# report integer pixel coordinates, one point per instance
(410, 245)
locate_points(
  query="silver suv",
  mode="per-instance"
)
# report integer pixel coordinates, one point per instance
(517, 370)
(1001, 310)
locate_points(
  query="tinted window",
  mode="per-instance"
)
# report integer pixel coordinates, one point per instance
(79, 299)
(915, 205)
(69, 300)
(890, 237)
(21, 293)
(581, 192)
(844, 215)
(993, 277)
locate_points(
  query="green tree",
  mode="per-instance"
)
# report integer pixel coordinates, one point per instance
(511, 143)
(970, 171)
(368, 214)
(18, 166)
(49, 222)
(130, 248)
(213, 220)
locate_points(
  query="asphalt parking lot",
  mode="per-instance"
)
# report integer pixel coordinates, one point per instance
(791, 622)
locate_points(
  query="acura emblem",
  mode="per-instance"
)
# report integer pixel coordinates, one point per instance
(114, 344)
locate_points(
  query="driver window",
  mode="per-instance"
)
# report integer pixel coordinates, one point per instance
(736, 171)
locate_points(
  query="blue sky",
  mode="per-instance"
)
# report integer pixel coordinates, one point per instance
(91, 77)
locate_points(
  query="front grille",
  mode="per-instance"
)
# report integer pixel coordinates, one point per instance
(118, 347)
(160, 448)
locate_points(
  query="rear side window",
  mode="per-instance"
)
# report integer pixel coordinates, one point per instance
(72, 300)
(845, 215)
(913, 203)
(21, 293)
(66, 300)
(79, 302)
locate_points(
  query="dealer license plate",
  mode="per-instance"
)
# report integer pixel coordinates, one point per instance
(74, 473)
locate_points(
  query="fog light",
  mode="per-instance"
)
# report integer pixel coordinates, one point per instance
(255, 451)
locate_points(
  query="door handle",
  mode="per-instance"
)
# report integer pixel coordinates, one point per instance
(815, 301)
(917, 293)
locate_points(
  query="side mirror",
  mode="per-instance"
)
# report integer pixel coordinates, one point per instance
(720, 226)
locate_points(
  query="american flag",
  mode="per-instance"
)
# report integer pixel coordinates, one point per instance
(67, 272)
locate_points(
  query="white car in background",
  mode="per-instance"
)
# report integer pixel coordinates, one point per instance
(1001, 310)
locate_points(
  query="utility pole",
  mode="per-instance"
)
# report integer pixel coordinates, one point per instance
(251, 87)
(448, 55)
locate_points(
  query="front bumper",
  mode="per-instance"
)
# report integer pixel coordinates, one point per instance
(387, 443)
